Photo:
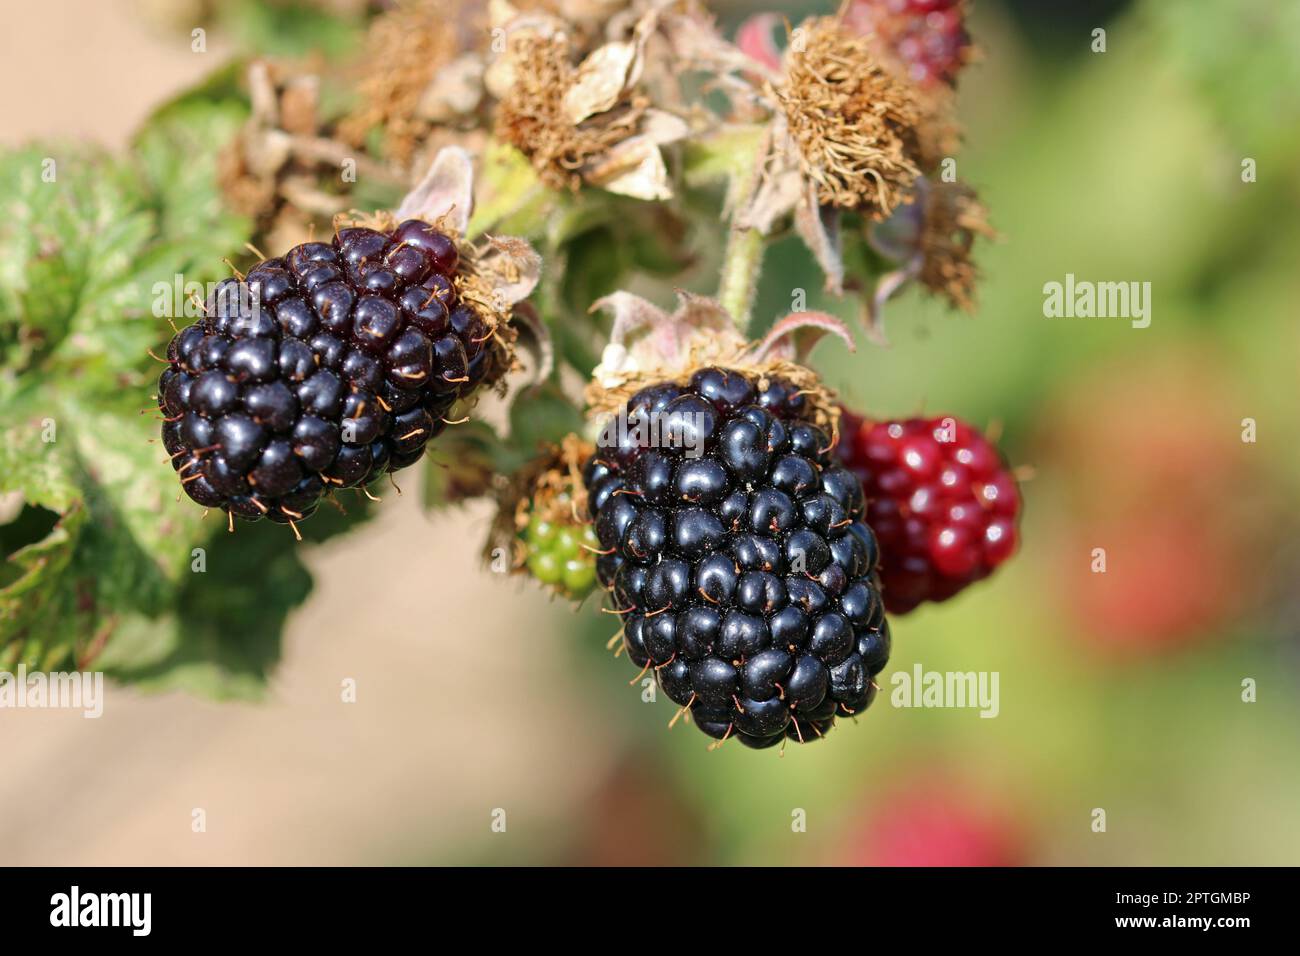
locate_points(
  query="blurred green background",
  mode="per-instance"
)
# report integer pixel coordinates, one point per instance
(1120, 691)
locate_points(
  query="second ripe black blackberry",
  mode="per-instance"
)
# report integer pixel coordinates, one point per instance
(734, 547)
(326, 367)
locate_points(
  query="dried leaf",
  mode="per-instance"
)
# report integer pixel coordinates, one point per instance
(455, 91)
(446, 192)
(793, 337)
(631, 314)
(696, 42)
(601, 81)
(662, 127)
(819, 227)
(635, 168)
(512, 266)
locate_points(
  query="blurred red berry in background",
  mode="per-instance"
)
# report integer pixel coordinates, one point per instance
(933, 819)
(928, 37)
(1160, 490)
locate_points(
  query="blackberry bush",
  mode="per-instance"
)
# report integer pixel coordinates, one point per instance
(736, 553)
(324, 368)
(941, 501)
(740, 559)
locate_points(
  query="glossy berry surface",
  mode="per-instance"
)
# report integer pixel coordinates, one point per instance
(735, 549)
(325, 367)
(941, 501)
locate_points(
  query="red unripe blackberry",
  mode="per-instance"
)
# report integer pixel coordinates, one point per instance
(928, 36)
(941, 502)
(325, 367)
(734, 547)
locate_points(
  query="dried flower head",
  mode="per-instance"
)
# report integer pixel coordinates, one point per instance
(421, 68)
(583, 121)
(854, 121)
(281, 169)
(930, 241)
(534, 117)
(953, 217)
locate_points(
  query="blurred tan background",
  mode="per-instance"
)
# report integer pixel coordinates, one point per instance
(303, 778)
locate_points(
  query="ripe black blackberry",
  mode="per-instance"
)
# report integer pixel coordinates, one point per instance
(744, 571)
(326, 367)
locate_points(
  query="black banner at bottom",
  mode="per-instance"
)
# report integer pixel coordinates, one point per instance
(218, 905)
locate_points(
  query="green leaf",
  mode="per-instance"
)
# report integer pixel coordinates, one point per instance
(542, 416)
(224, 635)
(506, 186)
(292, 29)
(462, 463)
(98, 549)
(66, 224)
(176, 153)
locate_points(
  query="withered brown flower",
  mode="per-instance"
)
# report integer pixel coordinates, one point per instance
(854, 121)
(583, 121)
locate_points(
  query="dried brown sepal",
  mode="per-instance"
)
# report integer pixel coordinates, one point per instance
(649, 346)
(550, 488)
(476, 290)
(954, 216)
(854, 121)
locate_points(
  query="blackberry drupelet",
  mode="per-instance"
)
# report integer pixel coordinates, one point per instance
(735, 549)
(941, 501)
(326, 367)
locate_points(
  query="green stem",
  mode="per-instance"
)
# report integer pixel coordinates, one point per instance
(740, 267)
(744, 254)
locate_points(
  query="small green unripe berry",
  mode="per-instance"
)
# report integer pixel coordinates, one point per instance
(546, 567)
(540, 531)
(579, 577)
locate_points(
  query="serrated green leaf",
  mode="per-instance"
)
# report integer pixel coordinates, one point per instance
(227, 621)
(79, 255)
(176, 154)
(66, 224)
